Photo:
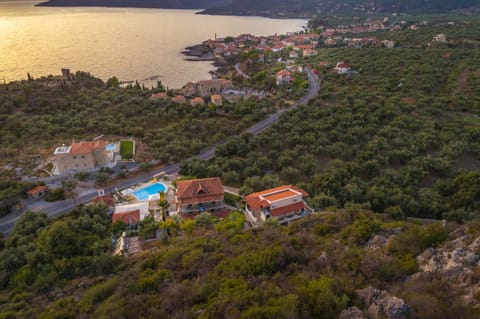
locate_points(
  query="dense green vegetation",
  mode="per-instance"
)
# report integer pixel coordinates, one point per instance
(41, 253)
(309, 8)
(36, 117)
(402, 134)
(215, 269)
(12, 191)
(462, 34)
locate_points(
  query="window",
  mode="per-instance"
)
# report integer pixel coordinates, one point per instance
(74, 157)
(83, 156)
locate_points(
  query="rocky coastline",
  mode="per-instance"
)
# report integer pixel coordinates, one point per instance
(201, 53)
(198, 52)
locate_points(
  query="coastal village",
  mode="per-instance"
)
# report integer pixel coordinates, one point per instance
(290, 49)
(171, 196)
(332, 172)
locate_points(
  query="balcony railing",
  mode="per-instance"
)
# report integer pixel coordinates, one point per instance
(201, 207)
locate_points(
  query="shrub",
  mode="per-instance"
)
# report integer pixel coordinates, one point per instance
(55, 195)
(233, 223)
(81, 176)
(231, 199)
(361, 230)
(318, 299)
(64, 308)
(395, 212)
(97, 294)
(416, 239)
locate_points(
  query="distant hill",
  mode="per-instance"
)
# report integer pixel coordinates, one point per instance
(307, 8)
(427, 6)
(167, 4)
(279, 8)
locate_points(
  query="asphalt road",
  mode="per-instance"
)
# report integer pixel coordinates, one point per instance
(237, 68)
(60, 208)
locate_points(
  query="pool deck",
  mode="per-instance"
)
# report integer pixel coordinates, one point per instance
(128, 192)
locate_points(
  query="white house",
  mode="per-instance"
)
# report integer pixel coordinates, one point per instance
(342, 68)
(284, 203)
(284, 77)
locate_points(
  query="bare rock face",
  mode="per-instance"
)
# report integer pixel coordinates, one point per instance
(382, 305)
(456, 262)
(352, 313)
(376, 243)
(379, 241)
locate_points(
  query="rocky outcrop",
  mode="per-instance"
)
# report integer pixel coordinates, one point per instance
(382, 305)
(352, 313)
(376, 243)
(379, 241)
(456, 262)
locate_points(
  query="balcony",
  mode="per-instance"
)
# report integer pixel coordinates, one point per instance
(201, 207)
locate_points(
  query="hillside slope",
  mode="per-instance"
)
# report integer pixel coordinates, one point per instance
(279, 8)
(307, 8)
(320, 267)
(166, 4)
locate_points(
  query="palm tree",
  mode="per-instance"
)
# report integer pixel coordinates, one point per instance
(163, 204)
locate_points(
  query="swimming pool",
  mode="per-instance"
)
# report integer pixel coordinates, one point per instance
(110, 147)
(152, 189)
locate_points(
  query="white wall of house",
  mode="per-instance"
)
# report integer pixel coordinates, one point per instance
(286, 201)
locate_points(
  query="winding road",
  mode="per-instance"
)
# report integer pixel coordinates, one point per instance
(60, 208)
(239, 71)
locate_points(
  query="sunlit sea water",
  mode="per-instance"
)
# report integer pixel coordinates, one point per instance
(132, 44)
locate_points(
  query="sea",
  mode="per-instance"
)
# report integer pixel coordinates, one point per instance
(130, 43)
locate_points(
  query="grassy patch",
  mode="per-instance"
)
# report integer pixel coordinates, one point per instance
(126, 149)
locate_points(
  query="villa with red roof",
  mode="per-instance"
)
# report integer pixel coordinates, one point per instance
(284, 203)
(217, 100)
(129, 217)
(342, 68)
(37, 192)
(284, 77)
(199, 195)
(82, 156)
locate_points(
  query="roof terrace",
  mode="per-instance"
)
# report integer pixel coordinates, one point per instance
(62, 150)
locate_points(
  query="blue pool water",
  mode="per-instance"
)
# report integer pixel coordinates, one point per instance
(145, 192)
(110, 147)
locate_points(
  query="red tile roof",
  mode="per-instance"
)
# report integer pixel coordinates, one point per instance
(160, 95)
(197, 101)
(106, 199)
(280, 195)
(178, 99)
(200, 190)
(86, 147)
(258, 200)
(303, 46)
(287, 209)
(37, 189)
(283, 73)
(129, 218)
(342, 65)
